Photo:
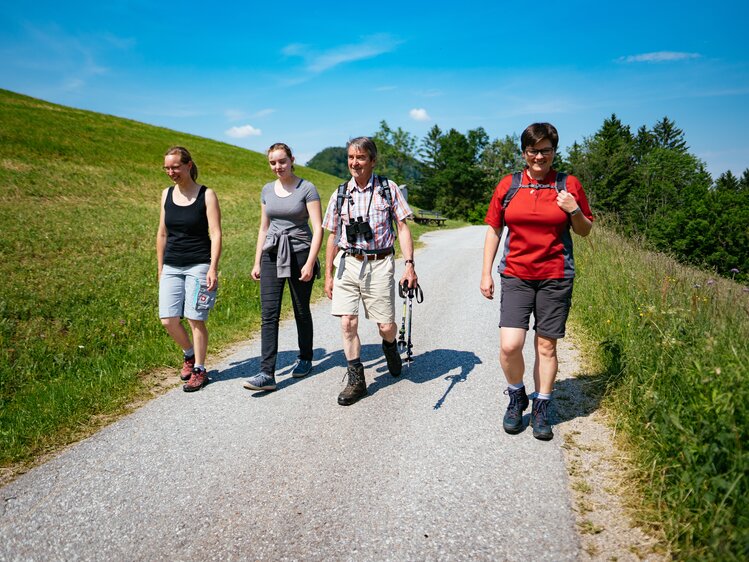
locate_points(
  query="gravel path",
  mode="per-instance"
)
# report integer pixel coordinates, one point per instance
(418, 470)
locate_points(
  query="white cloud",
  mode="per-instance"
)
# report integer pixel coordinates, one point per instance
(243, 131)
(317, 62)
(660, 56)
(419, 114)
(264, 112)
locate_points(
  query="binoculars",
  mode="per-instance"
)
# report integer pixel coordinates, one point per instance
(359, 227)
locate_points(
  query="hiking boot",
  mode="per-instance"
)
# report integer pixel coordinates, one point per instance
(393, 358)
(187, 367)
(198, 379)
(301, 369)
(540, 420)
(513, 420)
(356, 387)
(261, 381)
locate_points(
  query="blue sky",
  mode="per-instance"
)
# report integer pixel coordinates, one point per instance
(315, 74)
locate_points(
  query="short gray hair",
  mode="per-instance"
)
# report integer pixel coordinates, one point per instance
(364, 143)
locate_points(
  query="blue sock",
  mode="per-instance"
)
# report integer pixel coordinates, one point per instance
(540, 396)
(516, 386)
(189, 352)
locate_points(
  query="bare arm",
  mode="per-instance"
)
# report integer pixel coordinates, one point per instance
(407, 249)
(213, 212)
(331, 249)
(161, 237)
(580, 223)
(491, 243)
(315, 216)
(261, 233)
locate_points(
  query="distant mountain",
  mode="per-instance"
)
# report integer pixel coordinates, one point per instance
(332, 160)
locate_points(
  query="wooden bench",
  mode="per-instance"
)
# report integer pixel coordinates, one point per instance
(423, 216)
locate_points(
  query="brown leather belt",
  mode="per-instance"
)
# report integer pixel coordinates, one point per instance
(372, 257)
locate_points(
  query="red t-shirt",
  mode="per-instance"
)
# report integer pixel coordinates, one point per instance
(538, 244)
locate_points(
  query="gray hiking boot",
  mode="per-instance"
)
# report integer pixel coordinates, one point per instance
(356, 387)
(540, 420)
(261, 381)
(301, 369)
(513, 420)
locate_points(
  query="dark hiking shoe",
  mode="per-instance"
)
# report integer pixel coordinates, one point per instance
(540, 420)
(513, 420)
(261, 381)
(198, 379)
(356, 387)
(187, 367)
(393, 358)
(301, 369)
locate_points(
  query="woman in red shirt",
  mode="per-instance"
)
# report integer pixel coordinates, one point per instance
(538, 206)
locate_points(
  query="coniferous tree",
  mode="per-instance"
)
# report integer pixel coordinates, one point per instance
(667, 135)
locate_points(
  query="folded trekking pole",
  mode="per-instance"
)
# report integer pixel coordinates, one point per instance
(404, 336)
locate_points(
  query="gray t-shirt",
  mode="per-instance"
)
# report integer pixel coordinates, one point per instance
(290, 213)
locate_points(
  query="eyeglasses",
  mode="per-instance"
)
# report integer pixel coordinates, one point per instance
(536, 152)
(172, 168)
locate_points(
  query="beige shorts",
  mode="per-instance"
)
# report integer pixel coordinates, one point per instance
(376, 289)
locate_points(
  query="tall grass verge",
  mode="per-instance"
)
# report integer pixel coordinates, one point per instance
(673, 346)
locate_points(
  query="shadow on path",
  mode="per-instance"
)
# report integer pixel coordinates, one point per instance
(423, 368)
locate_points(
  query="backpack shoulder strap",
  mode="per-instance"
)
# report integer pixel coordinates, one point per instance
(388, 195)
(561, 182)
(340, 196)
(517, 180)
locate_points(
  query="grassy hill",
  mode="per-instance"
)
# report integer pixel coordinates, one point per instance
(79, 208)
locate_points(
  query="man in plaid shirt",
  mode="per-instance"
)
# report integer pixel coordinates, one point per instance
(361, 246)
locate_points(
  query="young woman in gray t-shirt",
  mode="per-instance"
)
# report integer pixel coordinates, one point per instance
(287, 248)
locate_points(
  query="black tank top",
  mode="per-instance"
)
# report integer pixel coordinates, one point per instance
(187, 240)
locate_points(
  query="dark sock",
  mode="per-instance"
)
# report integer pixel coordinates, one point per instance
(389, 344)
(356, 363)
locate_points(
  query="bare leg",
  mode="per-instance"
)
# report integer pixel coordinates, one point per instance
(177, 331)
(351, 341)
(546, 358)
(200, 337)
(388, 331)
(511, 341)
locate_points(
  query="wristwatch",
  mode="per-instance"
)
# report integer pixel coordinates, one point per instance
(411, 262)
(575, 211)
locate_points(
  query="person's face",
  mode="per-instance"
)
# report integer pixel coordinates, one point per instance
(539, 158)
(175, 169)
(280, 162)
(360, 164)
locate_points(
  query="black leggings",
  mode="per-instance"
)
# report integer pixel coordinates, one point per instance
(271, 295)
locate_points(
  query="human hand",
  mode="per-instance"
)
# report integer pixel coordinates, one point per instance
(410, 278)
(329, 286)
(487, 286)
(307, 272)
(255, 274)
(566, 201)
(211, 280)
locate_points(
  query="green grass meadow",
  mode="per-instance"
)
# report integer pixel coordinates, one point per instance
(671, 347)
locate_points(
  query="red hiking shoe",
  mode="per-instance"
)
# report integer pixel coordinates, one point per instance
(187, 367)
(198, 379)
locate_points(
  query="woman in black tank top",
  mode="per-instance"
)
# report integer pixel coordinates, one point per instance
(188, 248)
